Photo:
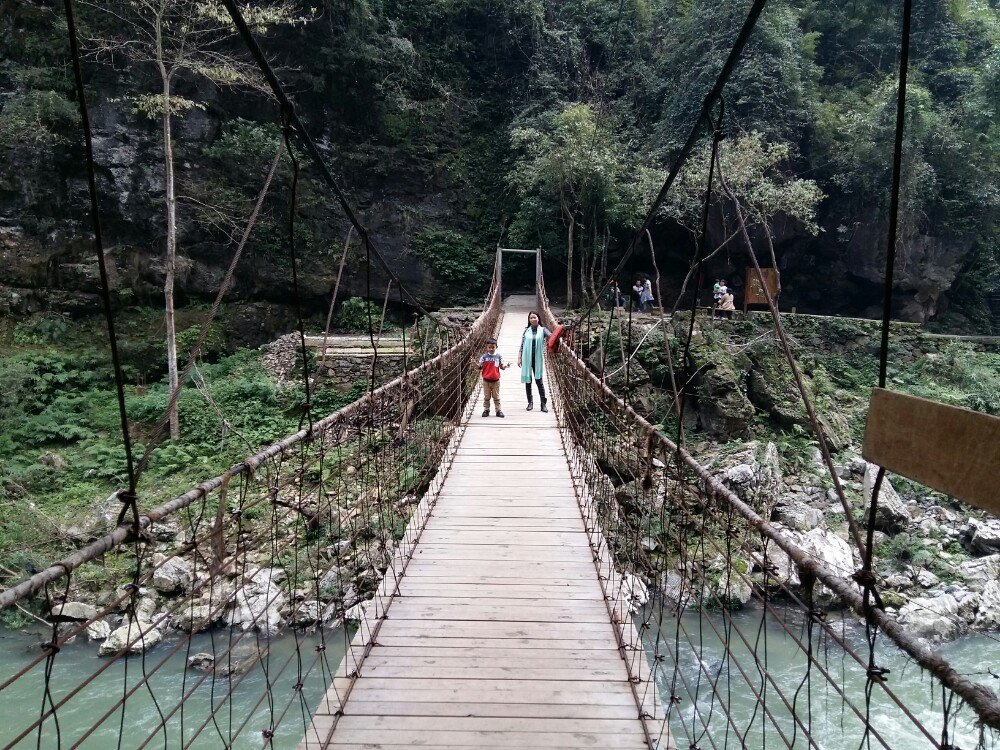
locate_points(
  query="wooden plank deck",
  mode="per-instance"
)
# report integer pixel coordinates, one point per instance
(500, 634)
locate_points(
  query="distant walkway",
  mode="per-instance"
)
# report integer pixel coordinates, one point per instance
(500, 635)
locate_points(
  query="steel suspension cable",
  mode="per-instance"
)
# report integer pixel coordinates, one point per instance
(95, 219)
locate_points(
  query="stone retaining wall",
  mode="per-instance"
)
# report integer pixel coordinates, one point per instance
(344, 370)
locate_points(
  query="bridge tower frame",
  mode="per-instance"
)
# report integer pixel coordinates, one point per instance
(537, 252)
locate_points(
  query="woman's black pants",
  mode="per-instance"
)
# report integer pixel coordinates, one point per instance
(541, 390)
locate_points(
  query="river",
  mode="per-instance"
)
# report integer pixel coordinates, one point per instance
(831, 722)
(243, 718)
(833, 725)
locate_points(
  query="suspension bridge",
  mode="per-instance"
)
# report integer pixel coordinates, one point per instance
(493, 567)
(507, 610)
(502, 631)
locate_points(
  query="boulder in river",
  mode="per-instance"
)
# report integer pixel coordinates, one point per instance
(797, 514)
(144, 635)
(194, 617)
(77, 611)
(978, 572)
(259, 602)
(632, 591)
(307, 612)
(98, 630)
(936, 619)
(988, 612)
(171, 575)
(830, 550)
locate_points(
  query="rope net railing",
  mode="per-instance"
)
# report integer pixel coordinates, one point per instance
(741, 633)
(293, 541)
(237, 599)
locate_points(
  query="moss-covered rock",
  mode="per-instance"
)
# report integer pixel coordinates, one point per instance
(719, 375)
(772, 389)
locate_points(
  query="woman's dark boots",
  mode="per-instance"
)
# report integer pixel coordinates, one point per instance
(541, 393)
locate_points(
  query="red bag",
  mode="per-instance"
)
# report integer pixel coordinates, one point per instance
(554, 338)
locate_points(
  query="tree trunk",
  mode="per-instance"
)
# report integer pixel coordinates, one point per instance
(569, 255)
(774, 258)
(171, 261)
(583, 264)
(333, 296)
(663, 325)
(604, 254)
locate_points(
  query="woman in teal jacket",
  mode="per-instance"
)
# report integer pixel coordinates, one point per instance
(531, 358)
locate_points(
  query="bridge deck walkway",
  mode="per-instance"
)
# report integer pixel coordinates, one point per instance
(499, 635)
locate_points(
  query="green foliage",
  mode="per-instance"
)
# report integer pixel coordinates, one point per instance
(213, 345)
(904, 550)
(40, 330)
(360, 315)
(572, 168)
(757, 173)
(454, 259)
(243, 144)
(36, 120)
(959, 375)
(64, 451)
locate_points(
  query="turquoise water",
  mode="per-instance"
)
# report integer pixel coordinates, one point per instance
(239, 718)
(706, 681)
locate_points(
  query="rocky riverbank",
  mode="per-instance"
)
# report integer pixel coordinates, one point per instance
(937, 560)
(304, 552)
(185, 594)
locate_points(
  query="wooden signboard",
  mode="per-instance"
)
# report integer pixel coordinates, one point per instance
(753, 291)
(948, 448)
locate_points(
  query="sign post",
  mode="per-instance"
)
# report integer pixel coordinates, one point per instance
(753, 291)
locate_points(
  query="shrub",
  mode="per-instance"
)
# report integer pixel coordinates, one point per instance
(454, 260)
(356, 313)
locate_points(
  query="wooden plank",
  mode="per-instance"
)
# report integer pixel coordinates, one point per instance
(484, 724)
(478, 746)
(508, 526)
(532, 537)
(509, 461)
(487, 553)
(950, 449)
(575, 673)
(486, 594)
(592, 643)
(489, 613)
(493, 690)
(497, 710)
(512, 569)
(517, 630)
(447, 603)
(520, 666)
(488, 523)
(520, 537)
(511, 655)
(433, 738)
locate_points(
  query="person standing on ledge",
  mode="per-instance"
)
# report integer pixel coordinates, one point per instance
(531, 358)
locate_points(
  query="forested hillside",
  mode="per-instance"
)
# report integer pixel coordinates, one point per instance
(455, 123)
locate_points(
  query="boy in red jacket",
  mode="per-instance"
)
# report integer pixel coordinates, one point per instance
(491, 364)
